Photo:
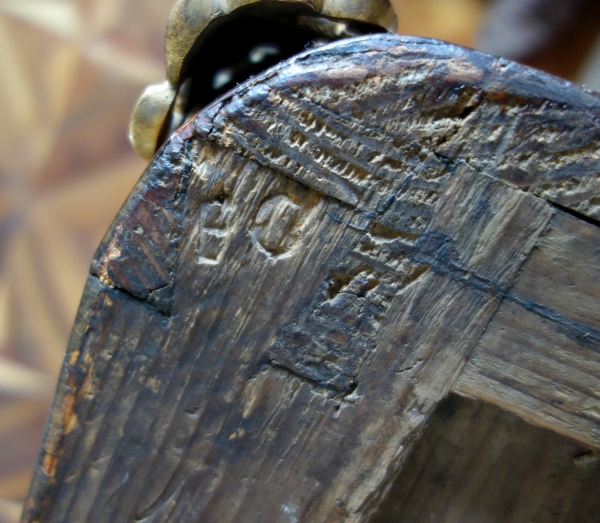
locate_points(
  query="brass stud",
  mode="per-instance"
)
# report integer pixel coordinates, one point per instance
(149, 118)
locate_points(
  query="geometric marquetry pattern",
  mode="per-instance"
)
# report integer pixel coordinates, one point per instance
(70, 72)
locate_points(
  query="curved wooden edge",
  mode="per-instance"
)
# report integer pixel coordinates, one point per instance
(520, 125)
(300, 277)
(524, 127)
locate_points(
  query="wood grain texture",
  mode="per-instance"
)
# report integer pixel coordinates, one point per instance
(478, 463)
(540, 355)
(247, 370)
(529, 129)
(298, 280)
(71, 72)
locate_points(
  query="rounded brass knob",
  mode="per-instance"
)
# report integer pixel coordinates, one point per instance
(192, 24)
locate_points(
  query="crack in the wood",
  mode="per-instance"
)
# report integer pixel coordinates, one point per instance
(161, 510)
(412, 366)
(331, 391)
(161, 255)
(576, 214)
(131, 296)
(581, 332)
(119, 488)
(436, 250)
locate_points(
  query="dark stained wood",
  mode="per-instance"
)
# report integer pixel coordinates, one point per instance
(478, 463)
(298, 280)
(406, 96)
(540, 355)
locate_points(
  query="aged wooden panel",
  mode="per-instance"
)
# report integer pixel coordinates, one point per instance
(477, 463)
(71, 72)
(530, 129)
(265, 353)
(540, 355)
(299, 278)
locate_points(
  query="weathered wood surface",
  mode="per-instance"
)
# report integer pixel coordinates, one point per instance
(300, 277)
(540, 355)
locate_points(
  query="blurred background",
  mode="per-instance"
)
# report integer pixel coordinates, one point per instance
(70, 72)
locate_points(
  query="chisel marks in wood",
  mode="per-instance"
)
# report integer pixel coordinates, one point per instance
(339, 328)
(185, 403)
(525, 127)
(330, 278)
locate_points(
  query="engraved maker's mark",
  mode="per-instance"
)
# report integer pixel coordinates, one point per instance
(214, 229)
(276, 227)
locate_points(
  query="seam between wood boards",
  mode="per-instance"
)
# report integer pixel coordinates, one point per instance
(581, 332)
(457, 274)
(487, 286)
(575, 214)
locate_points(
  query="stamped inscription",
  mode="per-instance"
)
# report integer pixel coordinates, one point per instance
(277, 226)
(269, 221)
(214, 228)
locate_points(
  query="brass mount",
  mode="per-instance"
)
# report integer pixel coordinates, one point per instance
(213, 44)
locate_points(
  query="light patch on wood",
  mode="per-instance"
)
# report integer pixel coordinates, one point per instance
(539, 357)
(49, 464)
(73, 357)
